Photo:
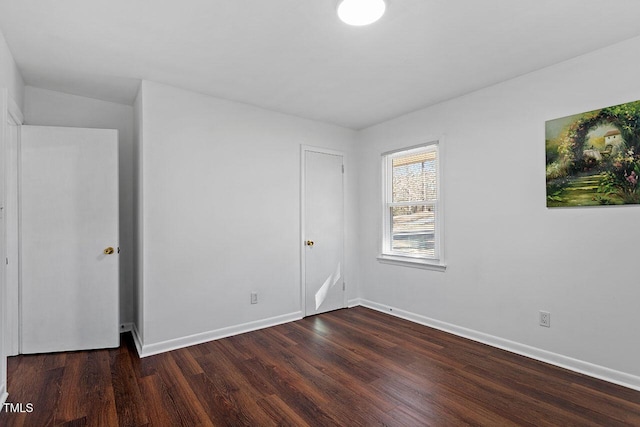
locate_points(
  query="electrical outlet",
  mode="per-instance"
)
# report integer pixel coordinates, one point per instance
(545, 319)
(254, 297)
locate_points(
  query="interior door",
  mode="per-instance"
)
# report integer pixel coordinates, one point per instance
(69, 239)
(323, 219)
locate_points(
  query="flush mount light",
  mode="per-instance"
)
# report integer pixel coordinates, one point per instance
(361, 12)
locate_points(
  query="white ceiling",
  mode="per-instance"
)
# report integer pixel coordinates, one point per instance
(296, 57)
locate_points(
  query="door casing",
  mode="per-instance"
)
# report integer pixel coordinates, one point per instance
(13, 122)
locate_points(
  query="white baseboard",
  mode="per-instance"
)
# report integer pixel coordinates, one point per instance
(354, 302)
(137, 338)
(582, 367)
(145, 350)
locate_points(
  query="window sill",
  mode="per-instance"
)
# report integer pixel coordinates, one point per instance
(412, 262)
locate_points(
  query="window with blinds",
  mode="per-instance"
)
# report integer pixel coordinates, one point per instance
(411, 205)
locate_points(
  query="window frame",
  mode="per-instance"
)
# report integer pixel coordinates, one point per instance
(387, 255)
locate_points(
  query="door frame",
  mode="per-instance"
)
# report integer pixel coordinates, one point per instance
(11, 116)
(303, 253)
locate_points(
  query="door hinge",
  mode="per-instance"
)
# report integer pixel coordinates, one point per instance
(6, 260)
(344, 286)
(342, 168)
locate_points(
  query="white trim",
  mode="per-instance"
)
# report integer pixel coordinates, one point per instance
(413, 148)
(355, 302)
(442, 149)
(11, 114)
(4, 331)
(145, 350)
(387, 256)
(137, 339)
(12, 234)
(303, 289)
(424, 263)
(596, 371)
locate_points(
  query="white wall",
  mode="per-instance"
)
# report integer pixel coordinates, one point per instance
(221, 213)
(49, 108)
(508, 255)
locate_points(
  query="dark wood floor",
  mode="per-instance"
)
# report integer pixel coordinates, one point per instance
(353, 367)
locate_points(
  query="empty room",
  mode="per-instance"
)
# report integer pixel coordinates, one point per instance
(314, 213)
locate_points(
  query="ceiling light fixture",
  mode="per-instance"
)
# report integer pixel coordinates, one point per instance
(361, 12)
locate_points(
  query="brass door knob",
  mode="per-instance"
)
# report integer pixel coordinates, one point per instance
(108, 251)
(309, 242)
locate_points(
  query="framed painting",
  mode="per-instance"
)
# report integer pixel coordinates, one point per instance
(593, 158)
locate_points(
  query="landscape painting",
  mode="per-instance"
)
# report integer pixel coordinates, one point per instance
(593, 158)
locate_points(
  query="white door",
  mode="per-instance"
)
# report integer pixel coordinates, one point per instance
(323, 234)
(69, 239)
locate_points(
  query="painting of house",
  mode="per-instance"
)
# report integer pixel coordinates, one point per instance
(613, 137)
(592, 158)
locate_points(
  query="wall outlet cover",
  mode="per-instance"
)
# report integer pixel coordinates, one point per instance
(545, 319)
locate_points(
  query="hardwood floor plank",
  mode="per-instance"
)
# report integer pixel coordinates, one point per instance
(223, 389)
(398, 333)
(43, 403)
(179, 393)
(96, 389)
(225, 405)
(330, 353)
(352, 408)
(187, 363)
(296, 392)
(160, 407)
(281, 413)
(71, 407)
(279, 334)
(80, 422)
(542, 388)
(352, 367)
(129, 403)
(424, 403)
(510, 402)
(251, 370)
(346, 377)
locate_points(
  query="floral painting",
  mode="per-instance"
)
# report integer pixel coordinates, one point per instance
(593, 158)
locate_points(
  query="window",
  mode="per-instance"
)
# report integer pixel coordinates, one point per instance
(412, 217)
